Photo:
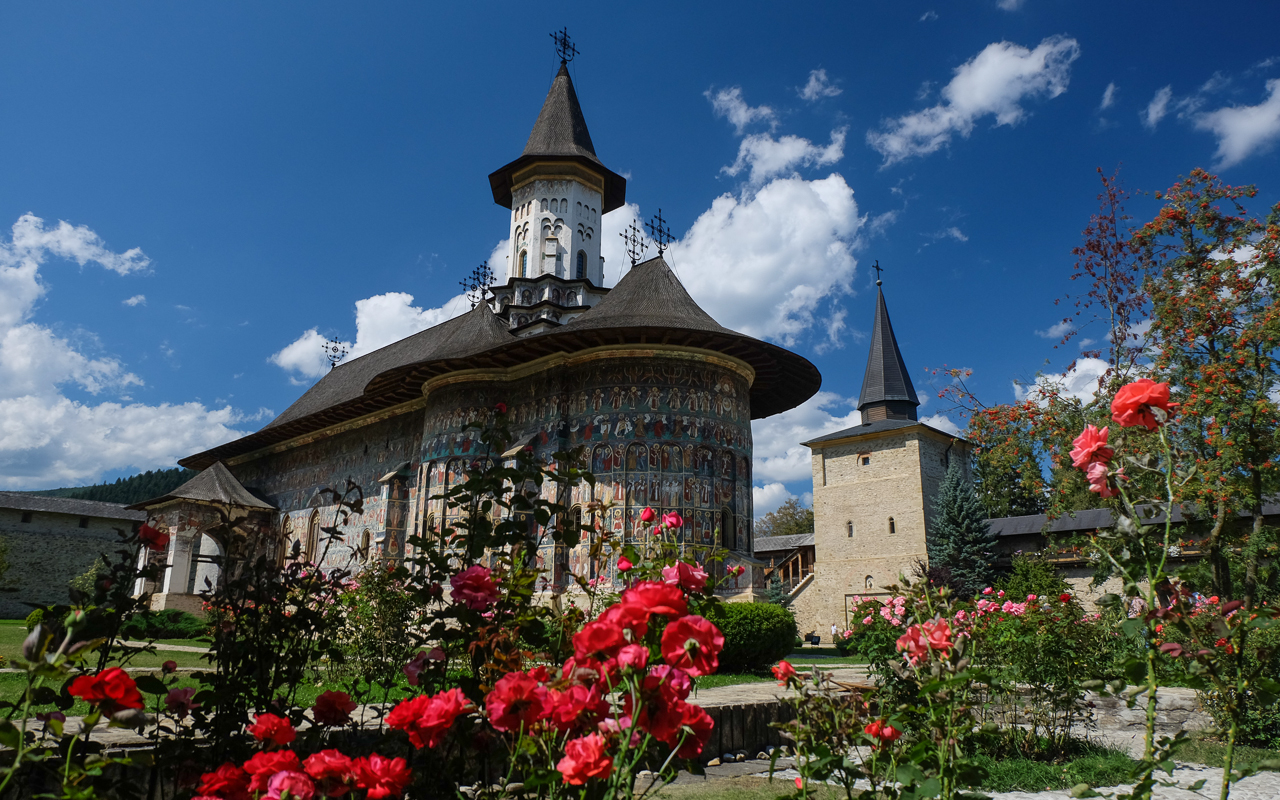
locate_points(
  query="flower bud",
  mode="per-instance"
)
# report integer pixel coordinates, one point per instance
(31, 646)
(76, 619)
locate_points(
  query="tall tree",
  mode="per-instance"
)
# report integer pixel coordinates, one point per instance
(790, 518)
(960, 538)
(1213, 273)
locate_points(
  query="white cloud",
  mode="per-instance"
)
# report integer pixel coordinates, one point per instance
(767, 498)
(818, 87)
(728, 103)
(48, 439)
(954, 233)
(929, 16)
(304, 355)
(1009, 5)
(1244, 130)
(943, 423)
(1056, 330)
(1157, 108)
(1080, 383)
(136, 300)
(779, 456)
(1108, 97)
(994, 82)
(768, 157)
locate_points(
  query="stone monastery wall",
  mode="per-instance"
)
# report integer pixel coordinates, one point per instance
(46, 553)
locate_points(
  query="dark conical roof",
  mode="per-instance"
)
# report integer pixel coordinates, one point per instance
(560, 134)
(886, 378)
(649, 295)
(215, 484)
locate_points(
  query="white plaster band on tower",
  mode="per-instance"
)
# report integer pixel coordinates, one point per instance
(555, 230)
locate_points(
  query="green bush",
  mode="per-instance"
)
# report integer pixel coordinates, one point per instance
(1261, 724)
(756, 635)
(34, 619)
(1032, 574)
(167, 624)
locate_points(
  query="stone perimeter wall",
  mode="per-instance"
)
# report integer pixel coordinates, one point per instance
(47, 552)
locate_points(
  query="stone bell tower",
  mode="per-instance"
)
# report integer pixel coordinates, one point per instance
(558, 190)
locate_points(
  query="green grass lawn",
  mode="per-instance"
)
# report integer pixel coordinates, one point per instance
(1201, 748)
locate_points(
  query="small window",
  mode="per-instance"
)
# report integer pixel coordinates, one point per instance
(892, 528)
(582, 265)
(26, 516)
(524, 263)
(848, 526)
(866, 461)
(84, 522)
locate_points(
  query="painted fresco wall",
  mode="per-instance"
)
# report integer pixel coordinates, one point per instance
(290, 480)
(666, 431)
(192, 561)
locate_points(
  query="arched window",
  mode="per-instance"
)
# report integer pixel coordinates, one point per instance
(524, 263)
(564, 203)
(849, 527)
(544, 204)
(869, 583)
(365, 539)
(726, 527)
(312, 551)
(892, 528)
(581, 271)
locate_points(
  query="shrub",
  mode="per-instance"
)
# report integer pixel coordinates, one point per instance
(34, 619)
(167, 624)
(756, 635)
(1032, 574)
(874, 627)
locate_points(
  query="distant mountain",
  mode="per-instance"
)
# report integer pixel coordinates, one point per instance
(143, 486)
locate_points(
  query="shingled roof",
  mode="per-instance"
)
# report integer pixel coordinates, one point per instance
(215, 484)
(886, 378)
(20, 501)
(879, 426)
(648, 306)
(560, 134)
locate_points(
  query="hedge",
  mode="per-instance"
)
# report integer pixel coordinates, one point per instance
(756, 635)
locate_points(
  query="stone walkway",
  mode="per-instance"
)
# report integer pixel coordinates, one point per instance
(181, 648)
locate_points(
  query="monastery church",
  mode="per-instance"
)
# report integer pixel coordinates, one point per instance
(660, 395)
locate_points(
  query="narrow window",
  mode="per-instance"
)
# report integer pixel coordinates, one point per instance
(26, 516)
(313, 538)
(869, 582)
(524, 263)
(365, 538)
(582, 265)
(866, 461)
(84, 522)
(848, 526)
(892, 527)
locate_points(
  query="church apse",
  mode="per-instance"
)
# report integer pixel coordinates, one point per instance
(667, 430)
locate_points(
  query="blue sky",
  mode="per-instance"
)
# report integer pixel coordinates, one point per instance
(189, 192)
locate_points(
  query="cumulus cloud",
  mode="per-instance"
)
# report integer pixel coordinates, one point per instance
(47, 438)
(767, 498)
(136, 300)
(1157, 108)
(1243, 131)
(1056, 330)
(943, 423)
(1009, 5)
(1080, 383)
(818, 87)
(1108, 97)
(728, 103)
(766, 157)
(993, 83)
(779, 456)
(929, 16)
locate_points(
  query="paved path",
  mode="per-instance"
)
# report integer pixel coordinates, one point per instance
(182, 648)
(768, 691)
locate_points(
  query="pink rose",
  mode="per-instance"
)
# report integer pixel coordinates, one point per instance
(672, 520)
(474, 588)
(689, 577)
(179, 702)
(913, 644)
(290, 785)
(1091, 446)
(624, 564)
(634, 656)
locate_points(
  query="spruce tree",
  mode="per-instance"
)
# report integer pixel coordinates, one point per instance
(960, 538)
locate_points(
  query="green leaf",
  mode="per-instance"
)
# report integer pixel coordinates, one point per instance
(151, 684)
(10, 736)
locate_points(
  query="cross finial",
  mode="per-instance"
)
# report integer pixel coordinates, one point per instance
(636, 245)
(564, 45)
(659, 232)
(876, 266)
(477, 284)
(335, 351)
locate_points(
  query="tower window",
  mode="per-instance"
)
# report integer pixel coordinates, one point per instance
(866, 461)
(84, 522)
(892, 528)
(848, 526)
(581, 271)
(524, 263)
(26, 516)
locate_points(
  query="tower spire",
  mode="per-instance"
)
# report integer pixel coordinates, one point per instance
(887, 392)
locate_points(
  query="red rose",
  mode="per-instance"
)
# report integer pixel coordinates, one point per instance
(667, 683)
(696, 729)
(693, 644)
(689, 577)
(648, 514)
(516, 702)
(111, 690)
(576, 708)
(1090, 446)
(1133, 403)
(672, 520)
(153, 538)
(227, 781)
(883, 731)
(1064, 597)
(273, 730)
(334, 771)
(290, 785)
(624, 564)
(784, 672)
(633, 656)
(474, 588)
(501, 408)
(267, 763)
(939, 635)
(428, 719)
(598, 639)
(169, 667)
(651, 597)
(914, 644)
(333, 708)
(383, 777)
(585, 758)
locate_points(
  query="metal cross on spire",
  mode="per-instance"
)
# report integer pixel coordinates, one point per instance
(876, 266)
(636, 245)
(659, 232)
(335, 351)
(564, 46)
(477, 284)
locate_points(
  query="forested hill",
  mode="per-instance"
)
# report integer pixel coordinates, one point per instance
(143, 486)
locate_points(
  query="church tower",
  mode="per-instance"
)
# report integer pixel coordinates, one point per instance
(558, 190)
(874, 487)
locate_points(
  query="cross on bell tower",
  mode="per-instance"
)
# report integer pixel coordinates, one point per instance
(564, 45)
(635, 243)
(659, 232)
(477, 284)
